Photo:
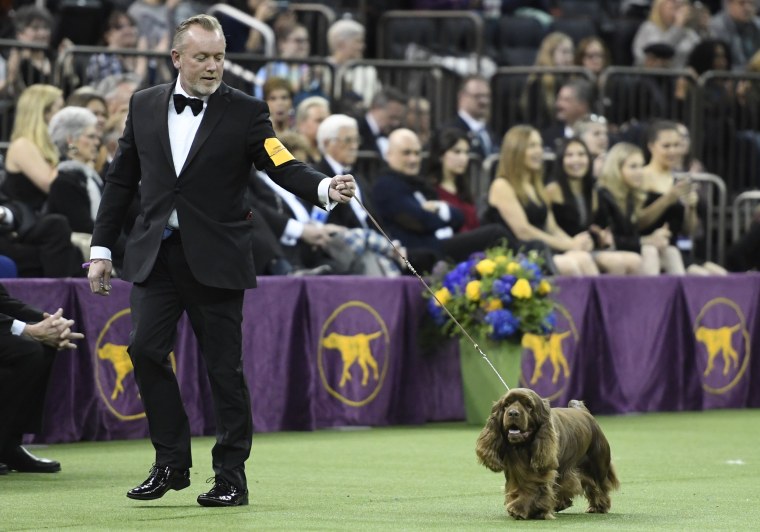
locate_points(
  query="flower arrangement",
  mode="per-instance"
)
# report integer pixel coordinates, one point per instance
(498, 294)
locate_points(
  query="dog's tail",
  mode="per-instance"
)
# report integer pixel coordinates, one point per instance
(580, 405)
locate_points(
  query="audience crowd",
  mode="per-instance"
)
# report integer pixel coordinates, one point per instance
(596, 194)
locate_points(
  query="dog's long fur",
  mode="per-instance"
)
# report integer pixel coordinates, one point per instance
(548, 455)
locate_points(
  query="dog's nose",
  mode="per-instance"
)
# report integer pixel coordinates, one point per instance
(512, 412)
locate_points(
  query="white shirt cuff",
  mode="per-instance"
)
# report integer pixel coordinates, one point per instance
(8, 218)
(323, 194)
(444, 211)
(99, 252)
(293, 231)
(17, 327)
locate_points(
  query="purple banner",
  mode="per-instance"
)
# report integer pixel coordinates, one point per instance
(345, 351)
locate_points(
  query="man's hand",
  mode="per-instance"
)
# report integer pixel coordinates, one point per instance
(342, 188)
(99, 276)
(54, 331)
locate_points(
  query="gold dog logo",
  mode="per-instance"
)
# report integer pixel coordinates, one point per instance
(726, 346)
(114, 372)
(357, 360)
(550, 365)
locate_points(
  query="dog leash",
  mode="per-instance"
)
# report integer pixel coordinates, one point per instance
(411, 269)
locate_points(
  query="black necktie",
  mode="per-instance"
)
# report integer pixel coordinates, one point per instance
(181, 101)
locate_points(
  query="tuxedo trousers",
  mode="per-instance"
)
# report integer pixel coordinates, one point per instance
(25, 368)
(216, 316)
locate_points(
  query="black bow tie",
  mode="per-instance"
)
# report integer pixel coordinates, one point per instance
(181, 101)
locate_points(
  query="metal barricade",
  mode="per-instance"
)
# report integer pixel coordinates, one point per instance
(630, 95)
(742, 212)
(726, 136)
(415, 79)
(518, 95)
(244, 18)
(715, 196)
(454, 33)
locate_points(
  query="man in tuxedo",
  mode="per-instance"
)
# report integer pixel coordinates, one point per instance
(473, 113)
(29, 339)
(386, 113)
(188, 147)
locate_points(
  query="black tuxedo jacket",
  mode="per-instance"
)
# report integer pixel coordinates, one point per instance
(210, 192)
(368, 141)
(13, 309)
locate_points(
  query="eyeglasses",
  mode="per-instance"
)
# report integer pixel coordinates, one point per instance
(479, 95)
(595, 119)
(594, 55)
(118, 27)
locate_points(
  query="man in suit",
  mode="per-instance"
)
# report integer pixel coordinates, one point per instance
(190, 248)
(473, 113)
(386, 113)
(29, 339)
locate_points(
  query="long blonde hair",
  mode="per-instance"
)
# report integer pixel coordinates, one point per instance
(33, 104)
(611, 178)
(654, 14)
(545, 58)
(512, 165)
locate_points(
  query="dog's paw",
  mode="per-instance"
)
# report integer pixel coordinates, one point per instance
(597, 510)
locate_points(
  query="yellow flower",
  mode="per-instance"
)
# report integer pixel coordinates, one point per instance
(485, 267)
(522, 289)
(443, 295)
(544, 287)
(501, 260)
(513, 268)
(493, 304)
(472, 290)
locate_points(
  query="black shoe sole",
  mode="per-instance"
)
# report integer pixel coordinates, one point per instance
(177, 486)
(214, 503)
(54, 469)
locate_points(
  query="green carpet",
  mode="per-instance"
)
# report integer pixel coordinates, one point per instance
(680, 471)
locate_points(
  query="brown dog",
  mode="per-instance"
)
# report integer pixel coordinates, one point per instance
(548, 455)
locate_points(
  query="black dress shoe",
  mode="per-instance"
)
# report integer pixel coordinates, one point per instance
(160, 480)
(223, 494)
(3, 469)
(21, 460)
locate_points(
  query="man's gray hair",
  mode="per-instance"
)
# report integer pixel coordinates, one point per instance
(70, 122)
(330, 128)
(342, 30)
(302, 111)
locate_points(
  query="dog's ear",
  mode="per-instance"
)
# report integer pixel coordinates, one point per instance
(491, 446)
(545, 447)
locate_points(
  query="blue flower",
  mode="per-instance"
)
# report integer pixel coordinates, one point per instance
(438, 314)
(503, 324)
(501, 288)
(457, 279)
(533, 268)
(549, 323)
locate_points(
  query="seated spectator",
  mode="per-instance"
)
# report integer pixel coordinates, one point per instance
(92, 100)
(738, 24)
(448, 170)
(242, 38)
(32, 159)
(667, 23)
(386, 113)
(686, 161)
(338, 138)
(39, 244)
(117, 89)
(671, 202)
(594, 132)
(153, 26)
(29, 340)
(574, 202)
(305, 80)
(411, 211)
(538, 100)
(473, 113)
(77, 190)
(121, 33)
(574, 102)
(517, 200)
(279, 98)
(621, 199)
(744, 254)
(345, 40)
(309, 114)
(27, 66)
(593, 55)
